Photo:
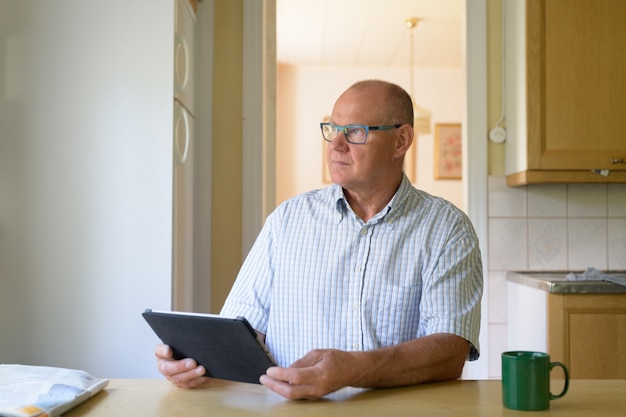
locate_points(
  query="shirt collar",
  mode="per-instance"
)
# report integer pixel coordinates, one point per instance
(389, 213)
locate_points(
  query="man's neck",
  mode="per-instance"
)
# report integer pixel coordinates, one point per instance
(369, 203)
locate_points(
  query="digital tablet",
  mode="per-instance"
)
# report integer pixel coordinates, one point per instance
(228, 348)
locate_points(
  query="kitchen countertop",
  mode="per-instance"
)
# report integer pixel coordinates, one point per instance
(555, 282)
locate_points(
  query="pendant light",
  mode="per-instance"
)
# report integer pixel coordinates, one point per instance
(422, 115)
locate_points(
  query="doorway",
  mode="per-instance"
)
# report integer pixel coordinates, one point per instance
(474, 127)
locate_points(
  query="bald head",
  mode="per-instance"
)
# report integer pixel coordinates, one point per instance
(393, 105)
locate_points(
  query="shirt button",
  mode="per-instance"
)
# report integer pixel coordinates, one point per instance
(364, 231)
(355, 346)
(358, 269)
(355, 307)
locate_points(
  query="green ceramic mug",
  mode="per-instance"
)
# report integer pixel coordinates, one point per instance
(526, 380)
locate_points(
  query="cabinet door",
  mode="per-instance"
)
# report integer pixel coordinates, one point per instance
(576, 84)
(597, 343)
(587, 332)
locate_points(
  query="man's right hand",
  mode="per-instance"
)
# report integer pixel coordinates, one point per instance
(183, 373)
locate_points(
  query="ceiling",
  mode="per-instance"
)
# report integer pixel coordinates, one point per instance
(369, 32)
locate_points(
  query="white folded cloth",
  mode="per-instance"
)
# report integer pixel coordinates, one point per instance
(592, 274)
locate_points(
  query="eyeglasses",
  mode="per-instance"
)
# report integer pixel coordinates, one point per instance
(356, 134)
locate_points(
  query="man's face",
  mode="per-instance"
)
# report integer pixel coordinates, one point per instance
(365, 166)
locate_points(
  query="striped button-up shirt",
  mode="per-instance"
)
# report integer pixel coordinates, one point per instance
(319, 277)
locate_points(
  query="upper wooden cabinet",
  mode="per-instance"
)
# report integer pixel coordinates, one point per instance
(566, 91)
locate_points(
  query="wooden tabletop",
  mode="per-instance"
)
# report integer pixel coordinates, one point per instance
(127, 397)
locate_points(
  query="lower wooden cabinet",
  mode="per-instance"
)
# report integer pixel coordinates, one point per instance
(587, 332)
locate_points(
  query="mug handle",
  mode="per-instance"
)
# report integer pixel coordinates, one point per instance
(552, 365)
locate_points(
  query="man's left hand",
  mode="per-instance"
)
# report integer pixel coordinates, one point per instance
(316, 374)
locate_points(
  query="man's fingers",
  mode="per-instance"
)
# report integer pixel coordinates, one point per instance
(163, 352)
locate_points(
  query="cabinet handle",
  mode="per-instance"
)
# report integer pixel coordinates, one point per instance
(617, 160)
(181, 62)
(181, 127)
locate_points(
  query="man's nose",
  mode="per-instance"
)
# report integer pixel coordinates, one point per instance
(339, 141)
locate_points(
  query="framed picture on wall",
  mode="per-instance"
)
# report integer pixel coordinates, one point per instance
(448, 151)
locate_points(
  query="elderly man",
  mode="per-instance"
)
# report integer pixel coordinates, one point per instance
(367, 283)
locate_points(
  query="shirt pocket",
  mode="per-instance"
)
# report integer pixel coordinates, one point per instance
(395, 314)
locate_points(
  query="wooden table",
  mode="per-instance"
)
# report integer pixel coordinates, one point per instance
(138, 398)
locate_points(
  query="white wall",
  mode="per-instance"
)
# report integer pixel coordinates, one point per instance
(85, 181)
(307, 94)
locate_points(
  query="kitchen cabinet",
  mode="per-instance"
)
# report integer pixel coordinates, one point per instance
(582, 324)
(587, 332)
(565, 91)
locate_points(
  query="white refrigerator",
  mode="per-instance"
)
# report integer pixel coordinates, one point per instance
(184, 155)
(86, 178)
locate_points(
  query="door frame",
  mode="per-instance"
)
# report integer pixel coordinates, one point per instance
(260, 157)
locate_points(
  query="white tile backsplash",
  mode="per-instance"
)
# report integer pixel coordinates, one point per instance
(497, 303)
(587, 200)
(617, 200)
(507, 244)
(564, 227)
(549, 200)
(617, 244)
(547, 244)
(548, 227)
(506, 201)
(587, 240)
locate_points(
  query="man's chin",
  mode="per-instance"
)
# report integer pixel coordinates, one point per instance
(339, 175)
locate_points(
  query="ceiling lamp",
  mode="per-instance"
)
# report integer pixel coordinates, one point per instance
(423, 116)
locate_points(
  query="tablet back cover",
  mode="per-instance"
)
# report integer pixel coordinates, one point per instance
(228, 348)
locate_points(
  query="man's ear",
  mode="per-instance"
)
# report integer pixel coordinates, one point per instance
(405, 134)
